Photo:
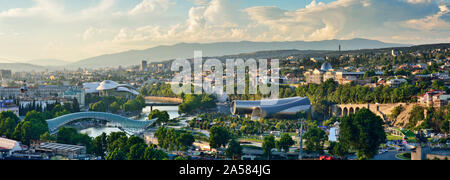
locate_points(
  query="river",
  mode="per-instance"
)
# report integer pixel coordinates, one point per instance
(96, 131)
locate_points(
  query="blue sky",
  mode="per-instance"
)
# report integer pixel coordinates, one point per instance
(72, 30)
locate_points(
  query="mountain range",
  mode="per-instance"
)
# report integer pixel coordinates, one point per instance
(48, 62)
(186, 50)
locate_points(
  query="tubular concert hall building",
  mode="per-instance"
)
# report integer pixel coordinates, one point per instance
(288, 107)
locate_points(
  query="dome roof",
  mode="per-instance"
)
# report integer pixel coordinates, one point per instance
(107, 85)
(326, 66)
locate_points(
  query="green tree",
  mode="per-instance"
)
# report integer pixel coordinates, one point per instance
(99, 106)
(151, 153)
(180, 158)
(193, 102)
(26, 132)
(117, 154)
(362, 132)
(66, 135)
(162, 116)
(219, 136)
(114, 107)
(416, 115)
(397, 110)
(69, 135)
(38, 123)
(338, 149)
(75, 105)
(8, 123)
(137, 152)
(268, 145)
(99, 145)
(61, 113)
(445, 126)
(284, 143)
(7, 127)
(234, 150)
(186, 140)
(47, 137)
(314, 140)
(9, 114)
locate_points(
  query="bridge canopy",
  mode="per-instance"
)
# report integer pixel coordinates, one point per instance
(124, 122)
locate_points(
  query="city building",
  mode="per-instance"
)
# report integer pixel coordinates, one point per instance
(5, 74)
(144, 66)
(47, 91)
(318, 76)
(9, 105)
(10, 92)
(396, 82)
(8, 146)
(314, 76)
(326, 67)
(110, 88)
(428, 153)
(433, 98)
(159, 67)
(75, 93)
(440, 76)
(56, 149)
(394, 53)
(317, 59)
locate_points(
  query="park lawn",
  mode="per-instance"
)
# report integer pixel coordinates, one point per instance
(404, 156)
(251, 140)
(393, 138)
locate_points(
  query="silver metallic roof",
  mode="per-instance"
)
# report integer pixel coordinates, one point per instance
(272, 108)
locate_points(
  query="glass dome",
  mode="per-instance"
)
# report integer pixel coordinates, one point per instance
(326, 66)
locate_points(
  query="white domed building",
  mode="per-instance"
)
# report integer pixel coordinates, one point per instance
(326, 67)
(110, 88)
(317, 76)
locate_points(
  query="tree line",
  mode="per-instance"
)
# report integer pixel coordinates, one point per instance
(114, 104)
(50, 109)
(158, 89)
(362, 133)
(31, 128)
(197, 103)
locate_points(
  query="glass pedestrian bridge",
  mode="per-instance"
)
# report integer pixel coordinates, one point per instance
(120, 121)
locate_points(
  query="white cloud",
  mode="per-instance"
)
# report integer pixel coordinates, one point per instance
(45, 8)
(100, 9)
(320, 21)
(151, 6)
(419, 1)
(433, 22)
(104, 28)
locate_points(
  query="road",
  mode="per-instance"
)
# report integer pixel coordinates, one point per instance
(390, 155)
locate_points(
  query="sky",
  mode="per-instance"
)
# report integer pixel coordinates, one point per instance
(73, 30)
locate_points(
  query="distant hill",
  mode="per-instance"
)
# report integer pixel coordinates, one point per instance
(186, 50)
(17, 67)
(48, 62)
(21, 67)
(279, 54)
